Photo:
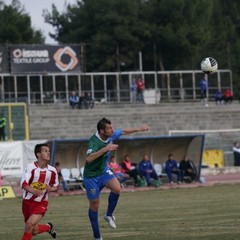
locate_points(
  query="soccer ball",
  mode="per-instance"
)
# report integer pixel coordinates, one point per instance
(209, 65)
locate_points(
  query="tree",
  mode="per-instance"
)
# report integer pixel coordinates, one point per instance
(110, 30)
(171, 34)
(15, 25)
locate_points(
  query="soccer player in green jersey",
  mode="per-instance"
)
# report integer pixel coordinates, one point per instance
(97, 175)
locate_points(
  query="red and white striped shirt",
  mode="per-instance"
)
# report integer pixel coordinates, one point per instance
(33, 174)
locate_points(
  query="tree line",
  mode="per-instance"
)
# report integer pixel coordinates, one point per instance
(169, 34)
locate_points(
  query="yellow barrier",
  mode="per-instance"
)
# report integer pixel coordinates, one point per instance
(213, 158)
(7, 192)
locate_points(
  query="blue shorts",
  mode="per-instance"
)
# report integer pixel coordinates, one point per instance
(95, 185)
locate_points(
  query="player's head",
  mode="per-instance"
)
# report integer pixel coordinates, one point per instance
(104, 127)
(42, 151)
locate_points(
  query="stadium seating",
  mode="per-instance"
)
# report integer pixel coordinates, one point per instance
(69, 176)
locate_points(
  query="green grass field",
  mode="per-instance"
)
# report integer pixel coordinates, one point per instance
(206, 213)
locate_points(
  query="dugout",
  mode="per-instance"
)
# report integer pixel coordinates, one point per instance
(72, 152)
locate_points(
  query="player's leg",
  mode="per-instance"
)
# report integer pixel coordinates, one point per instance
(115, 188)
(30, 226)
(93, 217)
(93, 193)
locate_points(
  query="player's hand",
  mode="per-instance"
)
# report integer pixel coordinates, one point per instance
(144, 128)
(111, 147)
(48, 188)
(37, 192)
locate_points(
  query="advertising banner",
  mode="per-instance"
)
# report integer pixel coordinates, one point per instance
(28, 151)
(45, 58)
(11, 158)
(4, 59)
(15, 156)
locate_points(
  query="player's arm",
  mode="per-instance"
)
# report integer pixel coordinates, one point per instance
(31, 190)
(51, 189)
(133, 130)
(92, 156)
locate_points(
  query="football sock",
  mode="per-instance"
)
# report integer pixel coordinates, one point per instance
(93, 216)
(27, 236)
(43, 228)
(112, 203)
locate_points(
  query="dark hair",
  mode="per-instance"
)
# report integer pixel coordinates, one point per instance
(170, 155)
(102, 124)
(38, 148)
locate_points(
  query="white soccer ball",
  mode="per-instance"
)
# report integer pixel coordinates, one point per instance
(209, 65)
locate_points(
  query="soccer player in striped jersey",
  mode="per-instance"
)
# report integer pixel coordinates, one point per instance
(97, 174)
(38, 180)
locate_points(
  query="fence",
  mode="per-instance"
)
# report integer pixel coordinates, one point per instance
(17, 127)
(110, 86)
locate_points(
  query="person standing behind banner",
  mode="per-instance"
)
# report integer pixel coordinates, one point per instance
(236, 154)
(60, 177)
(3, 122)
(38, 180)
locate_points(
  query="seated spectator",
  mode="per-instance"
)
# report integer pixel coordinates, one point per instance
(89, 100)
(131, 170)
(172, 168)
(228, 96)
(147, 170)
(218, 97)
(117, 170)
(188, 169)
(60, 177)
(82, 102)
(73, 100)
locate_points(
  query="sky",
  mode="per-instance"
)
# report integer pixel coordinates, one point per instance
(35, 8)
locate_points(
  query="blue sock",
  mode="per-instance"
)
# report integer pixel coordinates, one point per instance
(112, 203)
(93, 216)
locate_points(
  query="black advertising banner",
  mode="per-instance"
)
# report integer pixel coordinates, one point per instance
(4, 59)
(44, 58)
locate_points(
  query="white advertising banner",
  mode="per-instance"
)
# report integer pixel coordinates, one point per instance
(28, 151)
(15, 156)
(11, 158)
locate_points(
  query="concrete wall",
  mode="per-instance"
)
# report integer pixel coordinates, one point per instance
(61, 122)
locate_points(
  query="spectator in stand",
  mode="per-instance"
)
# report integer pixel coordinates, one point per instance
(204, 87)
(131, 170)
(60, 177)
(140, 90)
(188, 169)
(73, 100)
(89, 100)
(172, 168)
(117, 170)
(218, 97)
(236, 154)
(147, 170)
(228, 96)
(133, 91)
(82, 101)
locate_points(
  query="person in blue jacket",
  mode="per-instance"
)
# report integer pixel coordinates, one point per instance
(204, 87)
(147, 170)
(172, 168)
